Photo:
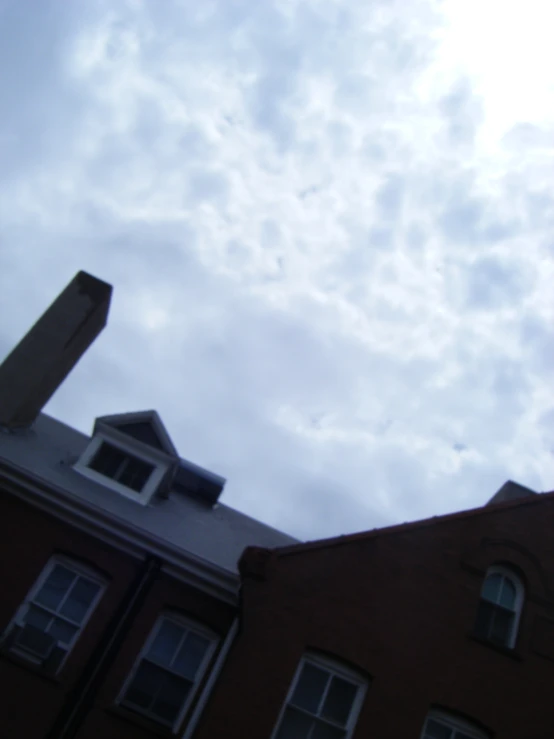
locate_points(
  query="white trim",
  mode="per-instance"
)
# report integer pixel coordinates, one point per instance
(454, 723)
(333, 667)
(104, 526)
(186, 623)
(134, 446)
(510, 575)
(78, 568)
(127, 447)
(210, 682)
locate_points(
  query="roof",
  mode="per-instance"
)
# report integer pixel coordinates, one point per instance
(216, 534)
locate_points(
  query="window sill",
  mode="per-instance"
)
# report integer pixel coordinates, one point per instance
(127, 714)
(497, 648)
(30, 666)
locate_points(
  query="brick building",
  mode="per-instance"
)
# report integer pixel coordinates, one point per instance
(439, 629)
(120, 586)
(136, 605)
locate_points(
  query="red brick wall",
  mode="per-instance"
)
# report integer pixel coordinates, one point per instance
(167, 594)
(30, 537)
(27, 542)
(401, 606)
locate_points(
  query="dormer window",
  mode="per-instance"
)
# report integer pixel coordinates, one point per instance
(133, 455)
(121, 466)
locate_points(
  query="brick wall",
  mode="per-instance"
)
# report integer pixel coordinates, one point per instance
(401, 607)
(28, 539)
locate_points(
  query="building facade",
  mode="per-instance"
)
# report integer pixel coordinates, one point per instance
(120, 573)
(439, 629)
(136, 604)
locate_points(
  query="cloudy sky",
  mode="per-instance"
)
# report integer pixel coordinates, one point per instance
(330, 230)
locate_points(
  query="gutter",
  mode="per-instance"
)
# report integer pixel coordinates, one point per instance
(81, 697)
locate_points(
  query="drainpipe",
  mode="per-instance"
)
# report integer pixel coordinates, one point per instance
(81, 698)
(210, 682)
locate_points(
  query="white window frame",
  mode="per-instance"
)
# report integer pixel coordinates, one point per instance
(335, 668)
(79, 569)
(520, 597)
(455, 723)
(126, 445)
(187, 623)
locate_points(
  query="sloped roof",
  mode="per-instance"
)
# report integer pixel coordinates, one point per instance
(215, 534)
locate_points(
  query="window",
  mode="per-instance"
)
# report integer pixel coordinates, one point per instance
(128, 467)
(121, 466)
(442, 725)
(323, 703)
(168, 670)
(54, 613)
(500, 607)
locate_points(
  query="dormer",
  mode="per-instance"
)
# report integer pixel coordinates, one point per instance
(132, 454)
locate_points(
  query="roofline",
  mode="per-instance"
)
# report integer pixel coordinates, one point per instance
(56, 500)
(411, 525)
(84, 436)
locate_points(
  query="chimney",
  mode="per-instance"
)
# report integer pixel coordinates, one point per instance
(38, 365)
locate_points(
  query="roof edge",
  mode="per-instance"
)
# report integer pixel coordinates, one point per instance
(411, 525)
(59, 501)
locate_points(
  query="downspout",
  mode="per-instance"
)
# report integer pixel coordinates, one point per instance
(210, 682)
(80, 699)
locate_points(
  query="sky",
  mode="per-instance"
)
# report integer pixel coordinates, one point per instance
(330, 230)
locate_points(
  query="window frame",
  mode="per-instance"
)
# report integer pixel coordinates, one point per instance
(187, 623)
(153, 457)
(78, 568)
(455, 723)
(509, 574)
(334, 667)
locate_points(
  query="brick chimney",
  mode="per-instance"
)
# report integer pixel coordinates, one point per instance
(38, 365)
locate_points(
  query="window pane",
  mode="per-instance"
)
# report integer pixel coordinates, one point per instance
(55, 587)
(295, 725)
(190, 655)
(508, 594)
(338, 701)
(501, 627)
(107, 460)
(491, 588)
(310, 688)
(326, 731)
(38, 618)
(322, 730)
(436, 730)
(78, 601)
(62, 631)
(135, 473)
(166, 642)
(171, 697)
(145, 685)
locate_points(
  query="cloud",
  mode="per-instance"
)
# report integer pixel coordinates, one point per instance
(492, 283)
(331, 252)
